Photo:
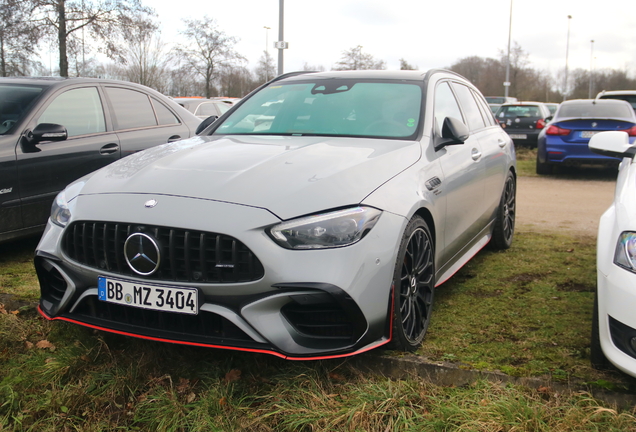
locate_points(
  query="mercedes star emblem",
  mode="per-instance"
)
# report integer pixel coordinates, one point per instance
(142, 254)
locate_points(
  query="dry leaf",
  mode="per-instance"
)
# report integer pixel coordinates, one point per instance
(191, 397)
(223, 401)
(2, 309)
(336, 377)
(15, 312)
(44, 344)
(28, 344)
(233, 375)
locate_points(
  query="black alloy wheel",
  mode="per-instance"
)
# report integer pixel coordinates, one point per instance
(504, 229)
(413, 286)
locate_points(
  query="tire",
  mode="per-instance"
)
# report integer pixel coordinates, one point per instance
(504, 229)
(544, 168)
(413, 287)
(597, 358)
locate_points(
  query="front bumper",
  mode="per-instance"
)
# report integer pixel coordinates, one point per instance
(305, 305)
(617, 318)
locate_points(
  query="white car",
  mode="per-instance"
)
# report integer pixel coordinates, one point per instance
(313, 220)
(614, 321)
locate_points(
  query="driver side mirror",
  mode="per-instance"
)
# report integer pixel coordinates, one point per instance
(42, 132)
(205, 123)
(453, 132)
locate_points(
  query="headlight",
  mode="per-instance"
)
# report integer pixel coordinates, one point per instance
(60, 213)
(625, 255)
(327, 230)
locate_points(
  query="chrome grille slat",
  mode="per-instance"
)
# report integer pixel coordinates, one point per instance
(187, 256)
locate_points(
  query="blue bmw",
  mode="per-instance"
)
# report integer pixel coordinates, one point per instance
(564, 142)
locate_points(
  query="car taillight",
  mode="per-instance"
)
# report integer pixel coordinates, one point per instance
(631, 131)
(555, 130)
(540, 124)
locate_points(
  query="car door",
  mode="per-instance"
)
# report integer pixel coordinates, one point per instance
(142, 121)
(491, 142)
(47, 167)
(463, 182)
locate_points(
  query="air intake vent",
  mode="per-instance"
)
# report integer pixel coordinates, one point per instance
(186, 256)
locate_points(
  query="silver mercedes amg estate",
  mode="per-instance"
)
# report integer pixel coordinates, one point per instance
(313, 220)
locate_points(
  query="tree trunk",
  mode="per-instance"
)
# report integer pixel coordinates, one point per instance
(61, 14)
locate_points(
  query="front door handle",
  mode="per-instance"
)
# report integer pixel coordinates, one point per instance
(501, 143)
(174, 138)
(475, 154)
(109, 149)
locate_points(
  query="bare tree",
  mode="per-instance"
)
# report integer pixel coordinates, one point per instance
(18, 39)
(210, 49)
(404, 65)
(308, 67)
(146, 59)
(236, 81)
(266, 69)
(104, 20)
(355, 59)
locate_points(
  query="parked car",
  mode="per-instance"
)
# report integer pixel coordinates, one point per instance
(314, 220)
(203, 108)
(565, 140)
(55, 130)
(626, 95)
(552, 107)
(496, 101)
(523, 121)
(613, 339)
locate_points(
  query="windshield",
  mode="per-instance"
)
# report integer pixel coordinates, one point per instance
(595, 110)
(15, 102)
(338, 107)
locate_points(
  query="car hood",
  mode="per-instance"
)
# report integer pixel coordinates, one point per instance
(289, 176)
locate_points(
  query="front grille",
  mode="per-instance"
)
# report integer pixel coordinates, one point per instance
(186, 256)
(203, 327)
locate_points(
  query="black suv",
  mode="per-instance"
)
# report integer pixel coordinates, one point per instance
(55, 130)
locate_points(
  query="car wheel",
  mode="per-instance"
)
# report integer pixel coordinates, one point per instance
(597, 358)
(543, 168)
(413, 286)
(505, 223)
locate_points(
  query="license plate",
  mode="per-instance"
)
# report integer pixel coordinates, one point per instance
(518, 136)
(588, 134)
(148, 296)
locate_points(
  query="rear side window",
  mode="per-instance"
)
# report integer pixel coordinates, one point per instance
(132, 109)
(15, 102)
(79, 111)
(486, 112)
(470, 108)
(164, 115)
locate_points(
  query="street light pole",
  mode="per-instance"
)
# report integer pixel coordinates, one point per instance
(267, 29)
(507, 82)
(591, 70)
(567, 49)
(281, 38)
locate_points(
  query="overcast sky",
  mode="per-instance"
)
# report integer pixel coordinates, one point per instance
(427, 34)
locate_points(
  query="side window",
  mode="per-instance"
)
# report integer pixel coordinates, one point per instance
(445, 105)
(79, 110)
(132, 109)
(470, 108)
(486, 113)
(164, 115)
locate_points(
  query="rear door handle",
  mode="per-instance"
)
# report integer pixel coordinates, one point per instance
(475, 154)
(109, 149)
(174, 138)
